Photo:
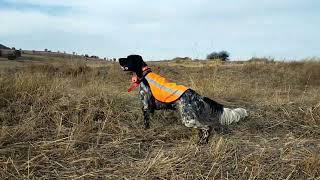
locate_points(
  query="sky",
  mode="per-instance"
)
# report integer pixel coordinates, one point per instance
(280, 29)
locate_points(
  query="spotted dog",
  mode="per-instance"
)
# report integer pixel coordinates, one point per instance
(157, 93)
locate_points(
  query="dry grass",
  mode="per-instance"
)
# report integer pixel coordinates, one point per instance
(75, 120)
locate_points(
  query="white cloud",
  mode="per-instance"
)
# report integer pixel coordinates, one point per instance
(29, 22)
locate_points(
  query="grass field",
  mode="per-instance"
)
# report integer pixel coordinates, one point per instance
(63, 119)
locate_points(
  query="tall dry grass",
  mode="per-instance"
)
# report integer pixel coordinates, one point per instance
(76, 121)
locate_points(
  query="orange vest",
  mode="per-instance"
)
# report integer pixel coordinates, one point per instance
(163, 90)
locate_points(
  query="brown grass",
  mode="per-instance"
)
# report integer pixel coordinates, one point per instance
(75, 120)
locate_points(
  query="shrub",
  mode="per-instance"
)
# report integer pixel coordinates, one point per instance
(95, 57)
(17, 53)
(261, 59)
(12, 56)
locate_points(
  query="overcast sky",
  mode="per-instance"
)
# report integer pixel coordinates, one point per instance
(283, 29)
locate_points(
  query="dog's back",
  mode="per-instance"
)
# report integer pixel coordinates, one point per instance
(199, 111)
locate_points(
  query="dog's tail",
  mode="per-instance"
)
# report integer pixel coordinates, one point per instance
(229, 116)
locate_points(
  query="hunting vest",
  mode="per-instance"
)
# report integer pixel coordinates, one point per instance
(163, 90)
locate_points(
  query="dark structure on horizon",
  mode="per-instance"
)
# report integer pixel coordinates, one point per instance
(11, 54)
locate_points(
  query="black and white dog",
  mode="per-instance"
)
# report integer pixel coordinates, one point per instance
(196, 111)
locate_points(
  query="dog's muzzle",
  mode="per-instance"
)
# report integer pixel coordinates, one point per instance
(124, 68)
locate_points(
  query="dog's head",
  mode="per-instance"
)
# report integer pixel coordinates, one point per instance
(132, 63)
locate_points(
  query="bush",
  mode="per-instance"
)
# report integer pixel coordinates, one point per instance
(95, 57)
(12, 56)
(222, 55)
(181, 59)
(17, 53)
(261, 59)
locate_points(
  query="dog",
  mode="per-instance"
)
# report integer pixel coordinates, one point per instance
(196, 111)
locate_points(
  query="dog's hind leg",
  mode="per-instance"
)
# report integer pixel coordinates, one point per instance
(193, 115)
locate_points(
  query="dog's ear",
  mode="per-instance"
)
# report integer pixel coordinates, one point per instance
(137, 59)
(133, 63)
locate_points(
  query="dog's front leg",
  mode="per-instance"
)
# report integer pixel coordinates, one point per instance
(146, 99)
(146, 118)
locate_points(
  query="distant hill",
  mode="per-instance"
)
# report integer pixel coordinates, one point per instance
(3, 47)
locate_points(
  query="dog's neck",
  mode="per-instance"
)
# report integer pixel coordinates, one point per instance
(144, 70)
(136, 80)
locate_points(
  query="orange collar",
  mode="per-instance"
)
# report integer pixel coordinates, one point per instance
(146, 68)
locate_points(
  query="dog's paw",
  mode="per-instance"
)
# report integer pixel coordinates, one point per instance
(147, 126)
(222, 130)
(202, 142)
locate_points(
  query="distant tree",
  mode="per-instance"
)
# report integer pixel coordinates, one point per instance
(213, 55)
(95, 57)
(222, 55)
(46, 50)
(13, 48)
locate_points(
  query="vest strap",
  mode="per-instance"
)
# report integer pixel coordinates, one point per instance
(136, 80)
